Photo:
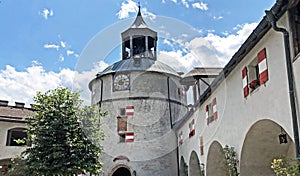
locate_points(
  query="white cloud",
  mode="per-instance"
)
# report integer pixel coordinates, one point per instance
(209, 51)
(132, 7)
(69, 52)
(229, 44)
(82, 80)
(46, 13)
(52, 46)
(148, 14)
(217, 17)
(22, 86)
(61, 58)
(200, 5)
(185, 3)
(167, 42)
(127, 7)
(63, 44)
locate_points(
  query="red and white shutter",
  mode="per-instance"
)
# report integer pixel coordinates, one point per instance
(129, 110)
(245, 81)
(207, 114)
(262, 66)
(129, 137)
(201, 146)
(214, 107)
(193, 127)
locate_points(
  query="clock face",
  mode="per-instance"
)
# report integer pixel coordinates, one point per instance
(121, 82)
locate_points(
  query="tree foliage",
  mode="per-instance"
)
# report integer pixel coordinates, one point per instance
(65, 135)
(231, 161)
(284, 166)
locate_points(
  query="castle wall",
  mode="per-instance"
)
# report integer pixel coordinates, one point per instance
(153, 151)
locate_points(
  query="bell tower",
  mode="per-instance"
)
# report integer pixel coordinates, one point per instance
(144, 99)
(139, 41)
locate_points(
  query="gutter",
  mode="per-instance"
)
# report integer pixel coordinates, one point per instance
(272, 20)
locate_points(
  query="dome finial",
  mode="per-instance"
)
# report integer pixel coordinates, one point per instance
(139, 13)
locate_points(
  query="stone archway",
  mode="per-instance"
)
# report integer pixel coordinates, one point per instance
(261, 146)
(183, 170)
(122, 171)
(215, 160)
(194, 165)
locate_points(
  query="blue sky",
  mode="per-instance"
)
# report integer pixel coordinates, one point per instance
(44, 43)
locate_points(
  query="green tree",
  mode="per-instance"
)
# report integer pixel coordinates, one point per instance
(65, 135)
(284, 166)
(231, 161)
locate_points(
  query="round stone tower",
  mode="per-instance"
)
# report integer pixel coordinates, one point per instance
(144, 98)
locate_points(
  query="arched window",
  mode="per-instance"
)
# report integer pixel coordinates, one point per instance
(14, 134)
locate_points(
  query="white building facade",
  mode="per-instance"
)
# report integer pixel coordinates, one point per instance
(247, 105)
(250, 105)
(12, 127)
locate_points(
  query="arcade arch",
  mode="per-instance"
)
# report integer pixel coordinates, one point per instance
(183, 170)
(215, 160)
(261, 146)
(194, 165)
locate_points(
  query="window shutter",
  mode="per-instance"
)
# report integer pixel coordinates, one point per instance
(207, 114)
(201, 146)
(192, 128)
(262, 66)
(245, 81)
(129, 136)
(214, 106)
(129, 110)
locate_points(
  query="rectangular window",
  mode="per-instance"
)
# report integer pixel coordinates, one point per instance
(253, 71)
(122, 124)
(121, 137)
(122, 111)
(16, 134)
(209, 113)
(201, 146)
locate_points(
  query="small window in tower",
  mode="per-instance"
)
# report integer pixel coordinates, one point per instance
(121, 137)
(15, 134)
(253, 74)
(122, 111)
(210, 113)
(122, 124)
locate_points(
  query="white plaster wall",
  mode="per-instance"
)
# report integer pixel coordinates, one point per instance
(237, 114)
(9, 151)
(296, 66)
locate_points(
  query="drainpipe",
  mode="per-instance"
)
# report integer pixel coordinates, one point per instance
(101, 93)
(290, 74)
(169, 99)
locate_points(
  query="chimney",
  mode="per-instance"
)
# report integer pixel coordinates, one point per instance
(3, 103)
(20, 105)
